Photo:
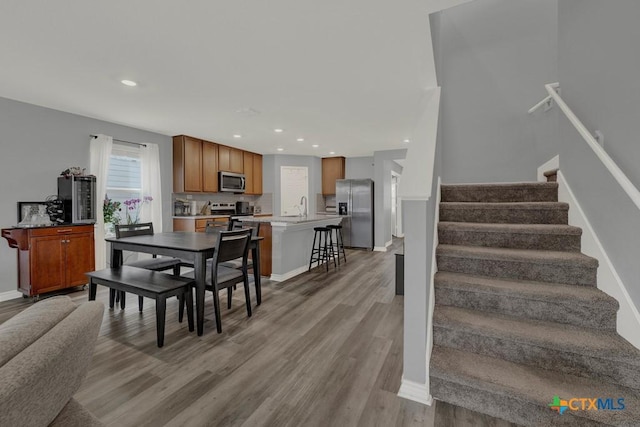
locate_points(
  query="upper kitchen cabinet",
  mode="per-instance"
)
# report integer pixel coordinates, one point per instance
(252, 172)
(187, 164)
(332, 169)
(209, 167)
(230, 159)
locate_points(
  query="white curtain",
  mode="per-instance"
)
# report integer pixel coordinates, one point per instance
(150, 169)
(100, 151)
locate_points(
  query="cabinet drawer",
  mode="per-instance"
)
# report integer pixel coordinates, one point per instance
(56, 231)
(201, 223)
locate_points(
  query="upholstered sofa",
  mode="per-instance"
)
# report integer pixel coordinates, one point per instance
(45, 353)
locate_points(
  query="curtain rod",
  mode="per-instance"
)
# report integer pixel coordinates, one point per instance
(121, 140)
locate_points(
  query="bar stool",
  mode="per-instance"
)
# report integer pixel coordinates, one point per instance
(322, 251)
(338, 243)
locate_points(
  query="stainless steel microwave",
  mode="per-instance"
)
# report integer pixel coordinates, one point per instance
(231, 182)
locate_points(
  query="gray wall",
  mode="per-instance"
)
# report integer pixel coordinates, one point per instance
(598, 66)
(359, 168)
(37, 144)
(383, 165)
(271, 164)
(493, 58)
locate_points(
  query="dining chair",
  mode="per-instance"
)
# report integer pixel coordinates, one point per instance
(210, 227)
(230, 245)
(254, 226)
(154, 264)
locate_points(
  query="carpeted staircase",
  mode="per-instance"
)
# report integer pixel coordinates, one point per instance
(518, 317)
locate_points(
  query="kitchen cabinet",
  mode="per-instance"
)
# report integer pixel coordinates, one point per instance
(253, 173)
(209, 167)
(187, 164)
(196, 224)
(52, 258)
(230, 159)
(332, 170)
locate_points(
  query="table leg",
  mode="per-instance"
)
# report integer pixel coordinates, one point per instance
(255, 255)
(92, 290)
(200, 264)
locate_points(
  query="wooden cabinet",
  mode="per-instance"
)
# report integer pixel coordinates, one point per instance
(265, 249)
(253, 173)
(230, 159)
(332, 169)
(196, 164)
(195, 224)
(209, 167)
(187, 164)
(52, 258)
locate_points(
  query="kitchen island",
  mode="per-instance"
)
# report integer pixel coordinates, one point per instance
(292, 237)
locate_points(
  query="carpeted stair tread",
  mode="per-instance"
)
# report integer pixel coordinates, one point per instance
(526, 255)
(500, 192)
(511, 212)
(584, 341)
(522, 394)
(577, 305)
(512, 228)
(518, 236)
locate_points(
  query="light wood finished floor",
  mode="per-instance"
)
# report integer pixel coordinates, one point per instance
(323, 349)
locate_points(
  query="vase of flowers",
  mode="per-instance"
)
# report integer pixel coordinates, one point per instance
(133, 207)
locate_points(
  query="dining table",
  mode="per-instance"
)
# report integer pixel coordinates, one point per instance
(193, 247)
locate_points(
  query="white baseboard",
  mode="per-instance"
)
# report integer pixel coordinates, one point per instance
(609, 281)
(380, 249)
(9, 295)
(289, 274)
(415, 391)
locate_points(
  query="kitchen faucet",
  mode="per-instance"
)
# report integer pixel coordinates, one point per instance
(303, 201)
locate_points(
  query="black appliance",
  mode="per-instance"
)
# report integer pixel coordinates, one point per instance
(78, 195)
(231, 182)
(244, 208)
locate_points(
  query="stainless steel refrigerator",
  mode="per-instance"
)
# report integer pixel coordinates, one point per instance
(354, 199)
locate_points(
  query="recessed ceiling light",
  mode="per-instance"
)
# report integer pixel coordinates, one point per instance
(278, 130)
(332, 152)
(280, 149)
(300, 139)
(129, 83)
(237, 135)
(315, 146)
(406, 141)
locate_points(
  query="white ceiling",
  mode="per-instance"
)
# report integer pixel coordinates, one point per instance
(348, 76)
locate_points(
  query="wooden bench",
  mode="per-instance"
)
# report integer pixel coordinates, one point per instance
(145, 283)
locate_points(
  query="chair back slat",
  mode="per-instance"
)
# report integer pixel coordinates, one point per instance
(232, 245)
(128, 230)
(240, 225)
(217, 226)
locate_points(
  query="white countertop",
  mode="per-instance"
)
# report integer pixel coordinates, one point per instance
(201, 216)
(290, 219)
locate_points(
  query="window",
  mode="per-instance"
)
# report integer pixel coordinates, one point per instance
(124, 178)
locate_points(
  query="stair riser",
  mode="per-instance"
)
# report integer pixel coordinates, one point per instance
(573, 274)
(565, 311)
(611, 371)
(504, 215)
(503, 406)
(499, 195)
(551, 242)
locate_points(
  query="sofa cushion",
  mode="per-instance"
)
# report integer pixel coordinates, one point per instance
(26, 327)
(37, 383)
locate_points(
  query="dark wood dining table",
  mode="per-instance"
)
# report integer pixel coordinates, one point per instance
(189, 246)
